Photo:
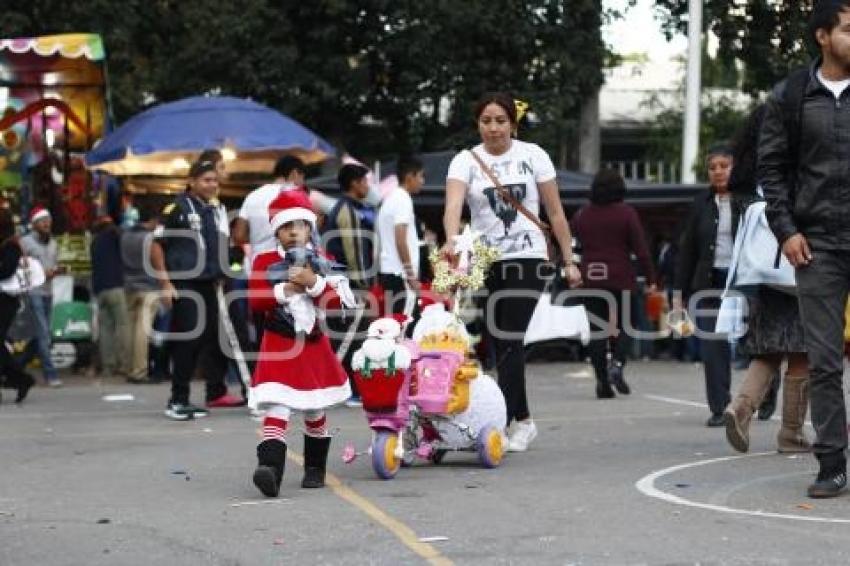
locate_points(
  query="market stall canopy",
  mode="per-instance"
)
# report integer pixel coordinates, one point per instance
(49, 85)
(166, 138)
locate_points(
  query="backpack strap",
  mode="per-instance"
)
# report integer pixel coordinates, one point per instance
(793, 95)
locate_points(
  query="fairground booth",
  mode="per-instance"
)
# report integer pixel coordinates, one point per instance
(54, 107)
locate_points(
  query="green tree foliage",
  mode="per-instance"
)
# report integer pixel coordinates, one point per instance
(720, 118)
(768, 37)
(373, 76)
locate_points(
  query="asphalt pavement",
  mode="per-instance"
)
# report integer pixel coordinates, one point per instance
(89, 478)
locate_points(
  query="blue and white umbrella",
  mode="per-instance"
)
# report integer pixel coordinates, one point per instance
(166, 138)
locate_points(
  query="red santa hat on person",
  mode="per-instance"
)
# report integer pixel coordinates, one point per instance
(289, 205)
(38, 213)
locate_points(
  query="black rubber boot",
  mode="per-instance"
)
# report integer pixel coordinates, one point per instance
(603, 383)
(315, 460)
(271, 461)
(19, 380)
(615, 376)
(832, 477)
(23, 385)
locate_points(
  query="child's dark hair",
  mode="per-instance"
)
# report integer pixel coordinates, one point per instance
(286, 165)
(407, 165)
(349, 173)
(503, 99)
(607, 187)
(825, 16)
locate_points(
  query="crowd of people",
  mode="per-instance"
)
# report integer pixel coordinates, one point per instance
(310, 282)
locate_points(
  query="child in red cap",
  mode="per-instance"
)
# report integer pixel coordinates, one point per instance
(296, 369)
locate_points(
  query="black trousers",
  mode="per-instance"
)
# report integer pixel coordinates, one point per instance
(211, 369)
(513, 287)
(399, 299)
(188, 312)
(11, 373)
(715, 350)
(822, 289)
(616, 304)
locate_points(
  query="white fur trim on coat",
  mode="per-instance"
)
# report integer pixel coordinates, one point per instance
(279, 291)
(290, 214)
(273, 393)
(318, 287)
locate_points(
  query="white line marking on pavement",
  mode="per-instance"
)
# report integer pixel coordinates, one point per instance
(675, 401)
(646, 485)
(269, 502)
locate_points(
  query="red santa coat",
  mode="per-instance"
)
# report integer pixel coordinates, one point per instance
(296, 372)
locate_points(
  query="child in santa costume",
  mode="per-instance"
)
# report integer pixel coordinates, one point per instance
(296, 368)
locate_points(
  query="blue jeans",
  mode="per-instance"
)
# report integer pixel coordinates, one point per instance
(41, 305)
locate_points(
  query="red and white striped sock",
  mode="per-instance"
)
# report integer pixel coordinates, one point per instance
(315, 424)
(274, 428)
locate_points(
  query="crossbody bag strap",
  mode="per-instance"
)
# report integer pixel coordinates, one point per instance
(509, 198)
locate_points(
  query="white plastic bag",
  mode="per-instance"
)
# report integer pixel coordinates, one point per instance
(552, 322)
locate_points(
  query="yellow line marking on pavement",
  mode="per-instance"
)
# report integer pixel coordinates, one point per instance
(401, 531)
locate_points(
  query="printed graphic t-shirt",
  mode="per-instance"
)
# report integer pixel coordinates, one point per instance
(519, 170)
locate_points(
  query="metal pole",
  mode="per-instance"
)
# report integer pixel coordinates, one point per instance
(690, 138)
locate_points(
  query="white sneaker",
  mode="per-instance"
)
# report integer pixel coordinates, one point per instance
(523, 434)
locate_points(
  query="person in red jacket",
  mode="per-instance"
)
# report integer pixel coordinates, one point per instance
(297, 369)
(610, 232)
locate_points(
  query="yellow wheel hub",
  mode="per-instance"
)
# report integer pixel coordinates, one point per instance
(390, 460)
(494, 446)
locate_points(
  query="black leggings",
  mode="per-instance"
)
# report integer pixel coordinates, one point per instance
(506, 319)
(599, 311)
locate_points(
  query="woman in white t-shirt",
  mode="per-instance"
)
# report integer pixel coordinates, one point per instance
(526, 171)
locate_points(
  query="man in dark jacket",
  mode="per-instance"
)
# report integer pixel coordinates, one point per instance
(804, 168)
(107, 281)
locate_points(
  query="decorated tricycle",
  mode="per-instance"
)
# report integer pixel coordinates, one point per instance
(425, 397)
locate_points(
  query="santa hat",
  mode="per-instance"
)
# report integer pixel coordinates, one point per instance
(292, 204)
(38, 213)
(384, 328)
(402, 319)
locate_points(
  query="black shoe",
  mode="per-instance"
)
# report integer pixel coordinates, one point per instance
(184, 411)
(715, 421)
(828, 484)
(604, 391)
(768, 404)
(271, 462)
(615, 374)
(24, 385)
(315, 460)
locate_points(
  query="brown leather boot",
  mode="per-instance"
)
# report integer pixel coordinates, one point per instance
(739, 413)
(736, 418)
(795, 403)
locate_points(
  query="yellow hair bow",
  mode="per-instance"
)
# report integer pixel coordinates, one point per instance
(521, 108)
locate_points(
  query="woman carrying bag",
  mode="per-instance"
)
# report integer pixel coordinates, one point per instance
(705, 251)
(774, 329)
(610, 232)
(504, 180)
